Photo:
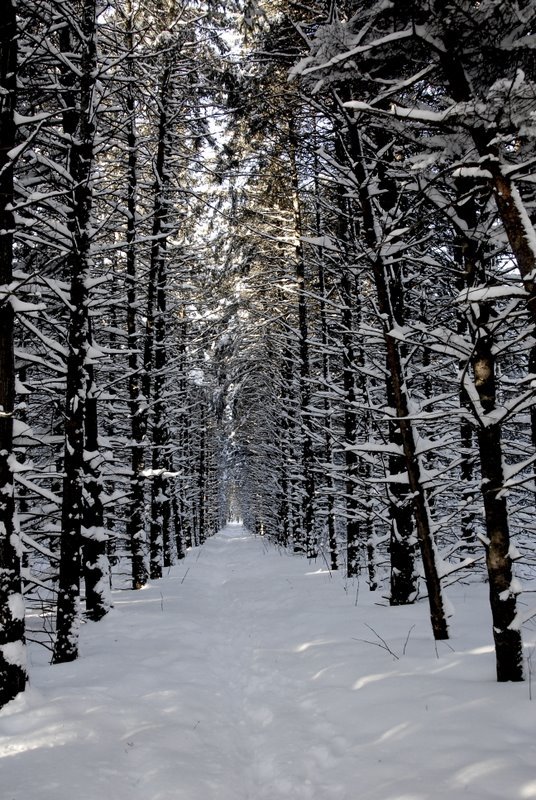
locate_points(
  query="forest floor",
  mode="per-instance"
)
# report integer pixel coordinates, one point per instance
(252, 674)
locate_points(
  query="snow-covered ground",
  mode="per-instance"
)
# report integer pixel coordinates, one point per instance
(248, 673)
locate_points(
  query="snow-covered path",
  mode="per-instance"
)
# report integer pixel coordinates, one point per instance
(244, 675)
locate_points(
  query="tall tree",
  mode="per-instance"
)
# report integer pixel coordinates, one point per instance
(12, 639)
(79, 126)
(461, 75)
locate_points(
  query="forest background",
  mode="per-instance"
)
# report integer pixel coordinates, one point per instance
(272, 261)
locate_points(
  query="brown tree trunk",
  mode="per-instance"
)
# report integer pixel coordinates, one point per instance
(508, 644)
(507, 636)
(398, 384)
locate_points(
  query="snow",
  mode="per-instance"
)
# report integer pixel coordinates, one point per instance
(248, 672)
(417, 114)
(480, 294)
(16, 606)
(14, 653)
(304, 67)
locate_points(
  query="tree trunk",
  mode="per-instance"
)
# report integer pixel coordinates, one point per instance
(508, 644)
(403, 539)
(135, 522)
(201, 475)
(398, 388)
(12, 632)
(351, 461)
(80, 126)
(308, 487)
(152, 375)
(328, 433)
(160, 528)
(507, 636)
(96, 566)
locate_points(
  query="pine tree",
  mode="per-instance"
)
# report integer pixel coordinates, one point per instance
(12, 638)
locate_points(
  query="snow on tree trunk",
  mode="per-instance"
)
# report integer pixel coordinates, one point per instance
(160, 528)
(96, 566)
(398, 384)
(12, 638)
(81, 127)
(403, 539)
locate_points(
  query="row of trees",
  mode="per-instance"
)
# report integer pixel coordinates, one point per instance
(390, 183)
(109, 425)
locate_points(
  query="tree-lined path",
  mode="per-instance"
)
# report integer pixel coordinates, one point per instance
(272, 261)
(267, 260)
(244, 674)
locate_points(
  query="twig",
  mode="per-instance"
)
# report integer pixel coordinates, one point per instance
(382, 643)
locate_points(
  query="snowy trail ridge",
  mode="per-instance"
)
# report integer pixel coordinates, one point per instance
(249, 674)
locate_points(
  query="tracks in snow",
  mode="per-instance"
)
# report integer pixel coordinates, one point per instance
(250, 609)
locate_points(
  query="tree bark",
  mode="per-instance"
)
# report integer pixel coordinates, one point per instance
(79, 126)
(398, 388)
(135, 523)
(308, 489)
(96, 566)
(12, 631)
(507, 635)
(328, 432)
(152, 379)
(403, 540)
(160, 528)
(351, 460)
